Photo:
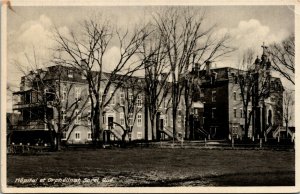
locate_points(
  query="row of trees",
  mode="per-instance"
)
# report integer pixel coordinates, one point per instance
(169, 45)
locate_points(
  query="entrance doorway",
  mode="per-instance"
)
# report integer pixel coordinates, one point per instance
(110, 121)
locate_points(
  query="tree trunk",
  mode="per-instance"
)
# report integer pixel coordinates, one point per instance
(152, 127)
(246, 126)
(58, 141)
(96, 122)
(146, 119)
(187, 114)
(124, 138)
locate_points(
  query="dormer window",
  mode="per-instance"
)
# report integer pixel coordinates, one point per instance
(70, 73)
(83, 75)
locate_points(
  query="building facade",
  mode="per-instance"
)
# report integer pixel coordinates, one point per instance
(57, 99)
(237, 99)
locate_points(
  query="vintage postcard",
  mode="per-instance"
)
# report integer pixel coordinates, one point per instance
(149, 96)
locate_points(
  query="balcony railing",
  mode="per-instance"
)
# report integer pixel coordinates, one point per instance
(30, 126)
(20, 106)
(27, 105)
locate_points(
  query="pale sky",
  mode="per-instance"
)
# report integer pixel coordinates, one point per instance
(249, 26)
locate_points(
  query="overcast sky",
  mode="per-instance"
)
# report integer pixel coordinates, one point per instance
(249, 26)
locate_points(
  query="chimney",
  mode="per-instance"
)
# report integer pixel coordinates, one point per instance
(83, 62)
(207, 66)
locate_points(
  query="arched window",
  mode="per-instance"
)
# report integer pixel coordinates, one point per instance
(270, 117)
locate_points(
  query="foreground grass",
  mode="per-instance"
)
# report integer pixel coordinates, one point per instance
(154, 167)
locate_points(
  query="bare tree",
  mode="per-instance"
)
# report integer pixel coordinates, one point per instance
(86, 51)
(46, 96)
(184, 36)
(157, 73)
(288, 105)
(283, 58)
(246, 84)
(253, 84)
(131, 104)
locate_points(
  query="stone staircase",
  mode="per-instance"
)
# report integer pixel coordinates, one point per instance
(169, 132)
(116, 133)
(280, 129)
(269, 129)
(203, 132)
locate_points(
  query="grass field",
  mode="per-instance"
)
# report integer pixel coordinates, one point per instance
(153, 167)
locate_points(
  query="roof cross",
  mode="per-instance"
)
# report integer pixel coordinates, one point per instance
(264, 48)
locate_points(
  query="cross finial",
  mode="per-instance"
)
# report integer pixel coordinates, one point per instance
(264, 48)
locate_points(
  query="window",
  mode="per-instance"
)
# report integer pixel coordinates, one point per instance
(139, 120)
(70, 73)
(213, 113)
(64, 93)
(63, 116)
(130, 119)
(83, 75)
(241, 112)
(179, 105)
(166, 121)
(103, 119)
(100, 95)
(122, 121)
(77, 93)
(196, 111)
(165, 103)
(272, 99)
(234, 95)
(234, 112)
(122, 98)
(213, 96)
(77, 135)
(234, 130)
(89, 136)
(139, 135)
(64, 135)
(112, 101)
(201, 92)
(130, 97)
(235, 79)
(139, 101)
(77, 114)
(179, 119)
(89, 119)
(160, 106)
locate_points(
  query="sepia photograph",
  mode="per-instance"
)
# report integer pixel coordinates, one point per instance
(138, 96)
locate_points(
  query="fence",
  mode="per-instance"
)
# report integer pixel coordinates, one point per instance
(21, 149)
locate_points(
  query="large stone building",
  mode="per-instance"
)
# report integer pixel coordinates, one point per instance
(226, 105)
(57, 97)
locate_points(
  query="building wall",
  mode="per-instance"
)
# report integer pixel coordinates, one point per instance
(236, 111)
(216, 110)
(220, 98)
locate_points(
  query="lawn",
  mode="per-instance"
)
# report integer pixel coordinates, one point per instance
(153, 167)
